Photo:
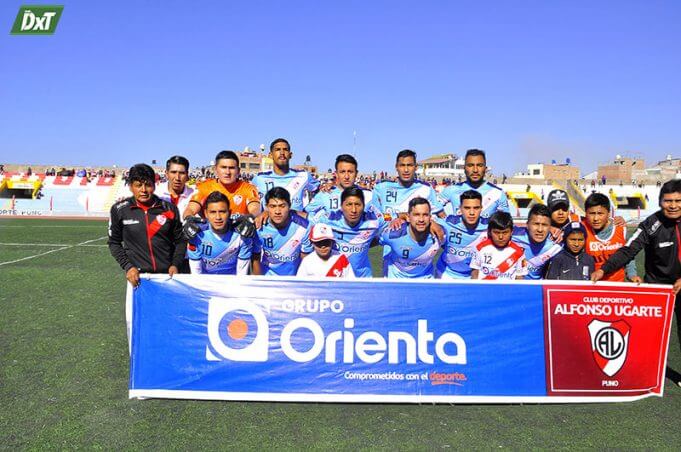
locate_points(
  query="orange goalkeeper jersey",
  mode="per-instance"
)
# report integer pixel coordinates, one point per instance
(240, 194)
(601, 250)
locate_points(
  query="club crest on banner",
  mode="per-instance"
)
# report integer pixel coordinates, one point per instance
(609, 344)
(237, 199)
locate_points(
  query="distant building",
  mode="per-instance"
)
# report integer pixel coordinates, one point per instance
(267, 164)
(252, 162)
(673, 163)
(306, 167)
(441, 165)
(551, 171)
(622, 169)
(669, 168)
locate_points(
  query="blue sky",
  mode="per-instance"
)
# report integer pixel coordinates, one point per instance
(122, 82)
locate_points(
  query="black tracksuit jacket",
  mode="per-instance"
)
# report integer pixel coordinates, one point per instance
(660, 237)
(148, 238)
(571, 267)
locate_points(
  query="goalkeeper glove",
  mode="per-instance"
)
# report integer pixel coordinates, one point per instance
(192, 226)
(244, 225)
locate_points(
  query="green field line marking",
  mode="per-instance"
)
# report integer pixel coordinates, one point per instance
(51, 251)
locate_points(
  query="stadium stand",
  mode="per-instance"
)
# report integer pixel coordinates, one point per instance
(58, 195)
(79, 196)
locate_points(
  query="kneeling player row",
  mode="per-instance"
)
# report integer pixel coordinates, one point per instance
(338, 243)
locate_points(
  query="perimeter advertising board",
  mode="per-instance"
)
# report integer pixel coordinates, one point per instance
(235, 338)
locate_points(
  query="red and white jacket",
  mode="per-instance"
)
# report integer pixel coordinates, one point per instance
(499, 263)
(336, 266)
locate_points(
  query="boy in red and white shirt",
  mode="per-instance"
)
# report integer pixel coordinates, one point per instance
(497, 257)
(325, 261)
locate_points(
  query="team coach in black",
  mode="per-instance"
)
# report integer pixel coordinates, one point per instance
(145, 232)
(660, 236)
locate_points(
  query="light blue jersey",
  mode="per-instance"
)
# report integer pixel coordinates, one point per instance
(493, 198)
(281, 248)
(295, 182)
(392, 198)
(219, 254)
(326, 202)
(537, 255)
(355, 242)
(407, 257)
(460, 242)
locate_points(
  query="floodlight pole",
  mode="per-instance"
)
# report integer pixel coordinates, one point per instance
(354, 143)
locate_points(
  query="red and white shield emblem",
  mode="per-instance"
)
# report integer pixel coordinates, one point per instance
(161, 219)
(364, 235)
(237, 199)
(609, 344)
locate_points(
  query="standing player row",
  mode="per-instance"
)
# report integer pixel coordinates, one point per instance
(390, 198)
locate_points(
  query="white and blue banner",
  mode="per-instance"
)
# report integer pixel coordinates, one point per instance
(287, 339)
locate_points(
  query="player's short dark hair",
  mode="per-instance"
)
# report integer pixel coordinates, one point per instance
(671, 186)
(471, 194)
(539, 209)
(227, 155)
(405, 153)
(475, 152)
(417, 202)
(352, 191)
(500, 220)
(347, 158)
(178, 160)
(280, 140)
(141, 172)
(278, 193)
(216, 196)
(597, 199)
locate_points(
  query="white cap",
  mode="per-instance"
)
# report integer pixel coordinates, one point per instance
(320, 232)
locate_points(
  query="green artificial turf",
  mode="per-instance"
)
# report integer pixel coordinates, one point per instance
(64, 378)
